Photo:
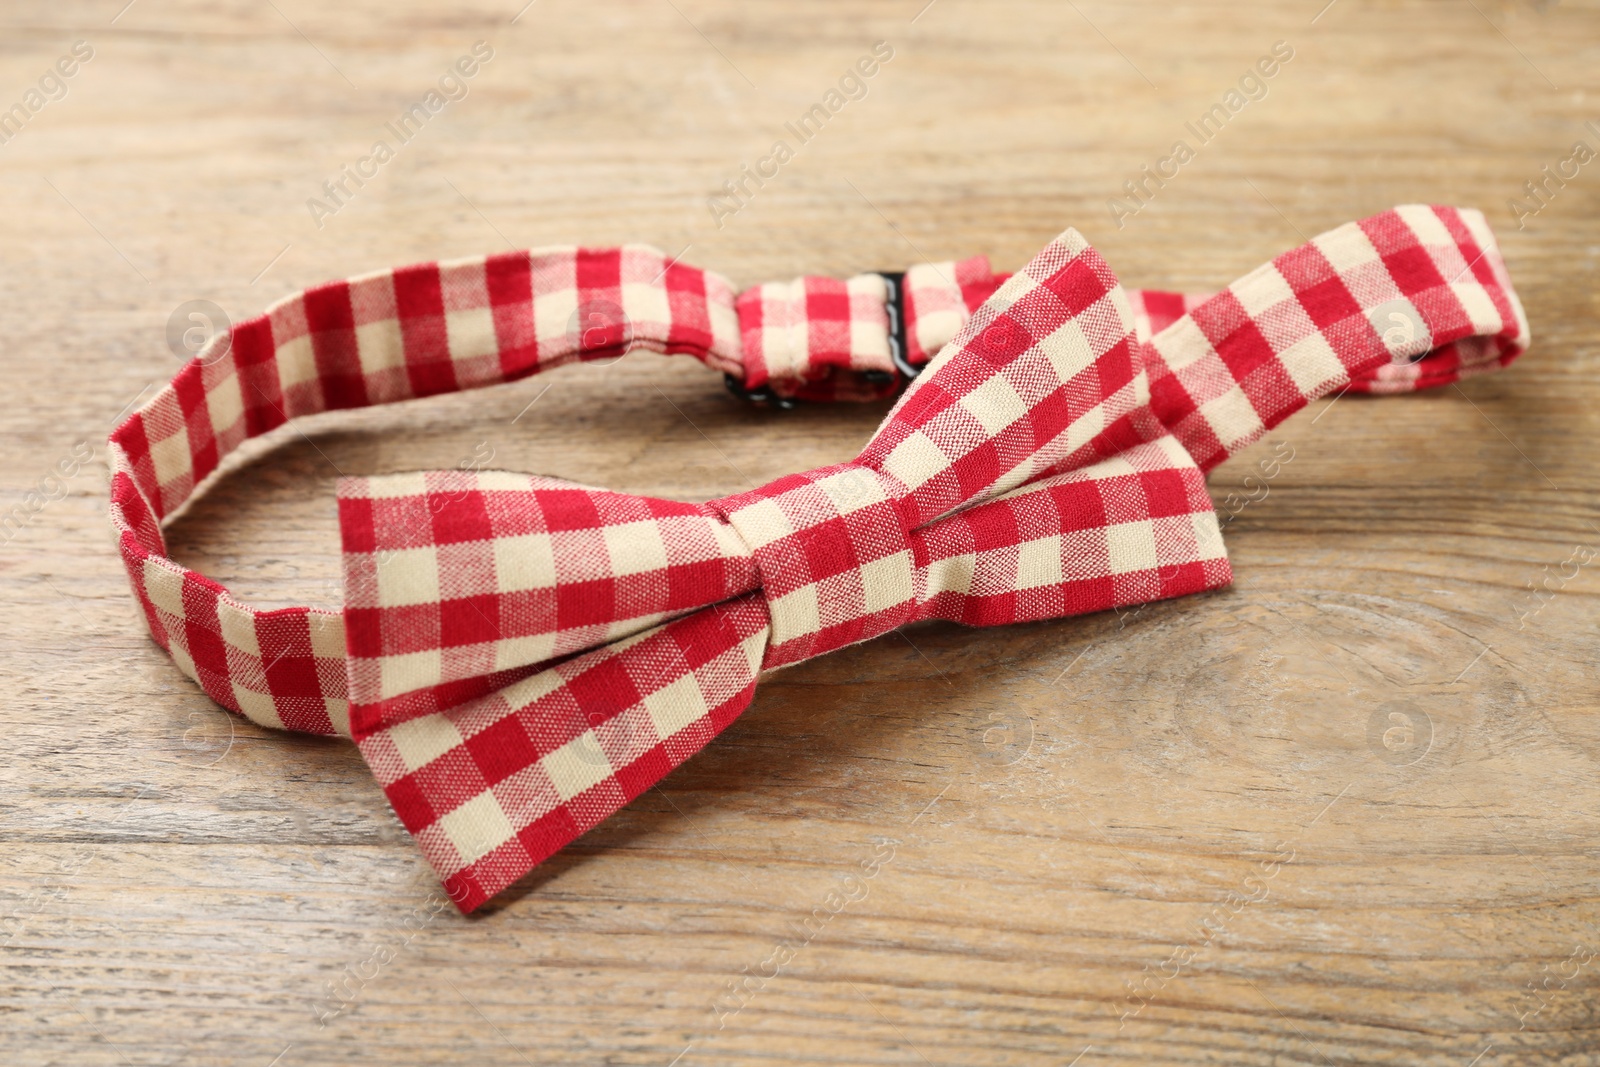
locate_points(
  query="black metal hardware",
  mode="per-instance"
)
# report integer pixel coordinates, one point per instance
(896, 307)
(763, 396)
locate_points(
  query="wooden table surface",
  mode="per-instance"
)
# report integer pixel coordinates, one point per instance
(1346, 811)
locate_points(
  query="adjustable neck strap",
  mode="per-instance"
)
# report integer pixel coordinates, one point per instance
(1413, 298)
(418, 331)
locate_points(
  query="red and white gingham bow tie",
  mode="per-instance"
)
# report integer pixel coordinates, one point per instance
(518, 657)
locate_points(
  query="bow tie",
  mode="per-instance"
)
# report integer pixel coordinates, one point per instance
(519, 657)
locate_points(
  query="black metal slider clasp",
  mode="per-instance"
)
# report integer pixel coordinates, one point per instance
(763, 396)
(895, 305)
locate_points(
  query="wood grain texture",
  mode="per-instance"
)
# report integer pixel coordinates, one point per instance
(1170, 836)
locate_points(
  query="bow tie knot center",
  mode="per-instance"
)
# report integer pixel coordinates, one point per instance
(833, 552)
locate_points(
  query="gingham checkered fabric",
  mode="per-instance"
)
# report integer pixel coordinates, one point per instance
(800, 336)
(519, 657)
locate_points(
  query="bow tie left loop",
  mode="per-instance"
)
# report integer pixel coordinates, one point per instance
(457, 582)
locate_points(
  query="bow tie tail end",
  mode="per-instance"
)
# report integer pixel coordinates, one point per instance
(493, 788)
(1415, 298)
(1050, 373)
